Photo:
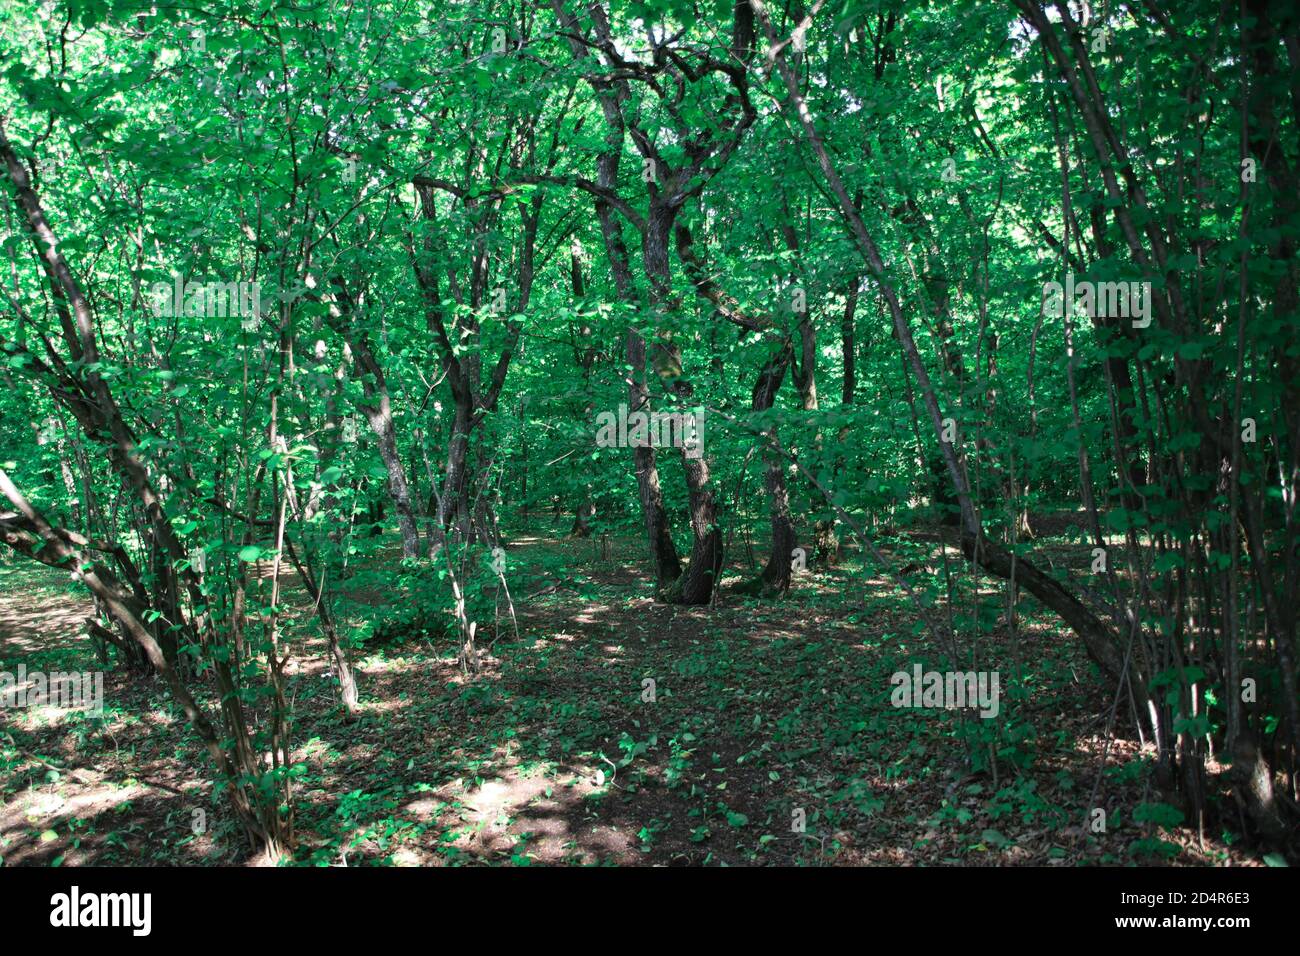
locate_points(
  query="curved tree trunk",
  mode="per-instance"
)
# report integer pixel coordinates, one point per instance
(1098, 638)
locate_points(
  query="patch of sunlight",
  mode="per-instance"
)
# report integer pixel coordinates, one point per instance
(48, 807)
(384, 706)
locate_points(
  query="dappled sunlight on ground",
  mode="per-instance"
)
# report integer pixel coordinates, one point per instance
(553, 752)
(32, 619)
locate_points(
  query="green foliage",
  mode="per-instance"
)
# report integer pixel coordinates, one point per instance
(455, 258)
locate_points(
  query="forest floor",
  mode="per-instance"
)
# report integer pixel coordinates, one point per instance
(552, 754)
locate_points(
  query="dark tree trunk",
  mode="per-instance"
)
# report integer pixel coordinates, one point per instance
(377, 408)
(663, 554)
(581, 520)
(775, 579)
(697, 583)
